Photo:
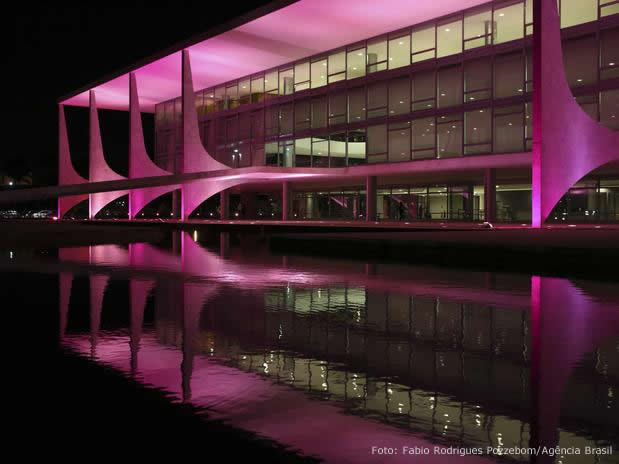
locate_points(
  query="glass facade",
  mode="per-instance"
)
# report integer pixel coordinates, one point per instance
(477, 104)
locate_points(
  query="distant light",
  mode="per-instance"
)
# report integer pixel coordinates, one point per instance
(501, 14)
(447, 30)
(611, 64)
(55, 218)
(11, 183)
(578, 80)
(400, 43)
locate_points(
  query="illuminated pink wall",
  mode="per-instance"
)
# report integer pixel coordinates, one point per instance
(567, 143)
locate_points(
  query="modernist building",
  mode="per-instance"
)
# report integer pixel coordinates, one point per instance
(394, 110)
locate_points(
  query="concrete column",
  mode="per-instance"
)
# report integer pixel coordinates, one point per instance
(285, 200)
(370, 198)
(490, 195)
(224, 204)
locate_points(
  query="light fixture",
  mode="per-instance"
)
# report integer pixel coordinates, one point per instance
(578, 80)
(447, 30)
(501, 14)
(611, 63)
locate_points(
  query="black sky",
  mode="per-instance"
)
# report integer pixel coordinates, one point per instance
(60, 49)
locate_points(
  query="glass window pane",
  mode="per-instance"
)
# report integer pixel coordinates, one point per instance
(423, 141)
(399, 101)
(337, 66)
(301, 76)
(302, 115)
(337, 150)
(400, 144)
(580, 59)
(257, 124)
(609, 108)
(400, 52)
(319, 112)
(478, 28)
(377, 144)
(337, 108)
(424, 91)
(220, 98)
(286, 153)
(509, 23)
(285, 119)
(508, 75)
(528, 126)
(271, 154)
(232, 95)
(508, 129)
(244, 96)
(377, 56)
(578, 11)
(303, 152)
(449, 38)
(356, 147)
(270, 84)
(319, 73)
(609, 53)
(609, 9)
(423, 44)
(286, 77)
(271, 119)
(477, 132)
(449, 135)
(377, 100)
(449, 86)
(355, 63)
(320, 152)
(477, 79)
(356, 104)
(257, 89)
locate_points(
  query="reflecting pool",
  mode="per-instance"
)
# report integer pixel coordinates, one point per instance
(352, 361)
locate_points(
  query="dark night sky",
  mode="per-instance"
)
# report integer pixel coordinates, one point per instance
(61, 49)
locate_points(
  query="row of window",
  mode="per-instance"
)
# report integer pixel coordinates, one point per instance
(486, 25)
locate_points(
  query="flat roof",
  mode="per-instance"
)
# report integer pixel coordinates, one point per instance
(265, 38)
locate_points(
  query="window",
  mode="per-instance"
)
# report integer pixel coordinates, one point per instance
(477, 79)
(449, 86)
(319, 112)
(578, 11)
(232, 95)
(302, 115)
(608, 7)
(285, 119)
(355, 63)
(609, 108)
(303, 152)
(609, 53)
(286, 80)
(257, 124)
(399, 100)
(449, 38)
(400, 52)
(377, 144)
(356, 104)
(508, 75)
(377, 100)
(356, 147)
(449, 135)
(257, 89)
(423, 44)
(200, 109)
(508, 129)
(337, 67)
(320, 151)
(319, 72)
(270, 84)
(424, 93)
(478, 28)
(271, 154)
(301, 76)
(477, 131)
(337, 150)
(271, 118)
(244, 92)
(286, 153)
(209, 101)
(529, 70)
(528, 16)
(580, 59)
(508, 23)
(528, 126)
(399, 142)
(220, 98)
(337, 108)
(377, 56)
(244, 125)
(423, 138)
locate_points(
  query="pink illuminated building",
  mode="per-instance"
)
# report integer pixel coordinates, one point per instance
(471, 110)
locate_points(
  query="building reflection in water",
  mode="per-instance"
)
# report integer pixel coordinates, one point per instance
(402, 355)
